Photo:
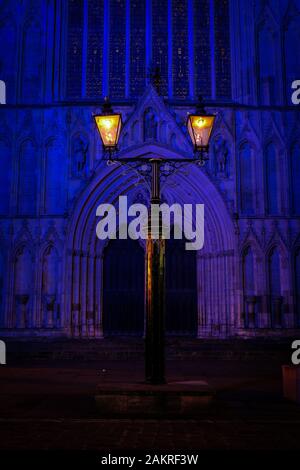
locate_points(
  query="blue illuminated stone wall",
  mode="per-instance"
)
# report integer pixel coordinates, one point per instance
(59, 60)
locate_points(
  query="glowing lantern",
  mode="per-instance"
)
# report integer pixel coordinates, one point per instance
(200, 126)
(109, 126)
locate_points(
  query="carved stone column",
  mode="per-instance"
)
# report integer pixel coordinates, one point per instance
(90, 314)
(83, 296)
(99, 297)
(76, 295)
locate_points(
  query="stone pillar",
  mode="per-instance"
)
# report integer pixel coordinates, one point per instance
(83, 296)
(99, 297)
(224, 281)
(204, 299)
(200, 296)
(65, 292)
(234, 297)
(90, 297)
(207, 278)
(75, 295)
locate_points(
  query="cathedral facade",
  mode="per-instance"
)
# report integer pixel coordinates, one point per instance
(59, 59)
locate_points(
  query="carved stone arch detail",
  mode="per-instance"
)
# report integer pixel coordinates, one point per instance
(252, 241)
(85, 251)
(251, 139)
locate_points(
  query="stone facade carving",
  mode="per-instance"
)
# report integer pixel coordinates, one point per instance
(80, 147)
(248, 274)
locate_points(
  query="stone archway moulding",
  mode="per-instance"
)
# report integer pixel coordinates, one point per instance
(216, 262)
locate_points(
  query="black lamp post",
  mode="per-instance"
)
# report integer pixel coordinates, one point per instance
(200, 127)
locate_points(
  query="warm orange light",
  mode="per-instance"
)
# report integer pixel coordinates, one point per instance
(109, 127)
(200, 129)
(200, 123)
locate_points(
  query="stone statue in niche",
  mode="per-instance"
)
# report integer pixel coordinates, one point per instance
(80, 147)
(221, 156)
(150, 125)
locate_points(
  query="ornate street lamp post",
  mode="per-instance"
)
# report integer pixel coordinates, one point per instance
(200, 127)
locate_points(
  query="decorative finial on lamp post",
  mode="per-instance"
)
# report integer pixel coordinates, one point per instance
(200, 107)
(106, 106)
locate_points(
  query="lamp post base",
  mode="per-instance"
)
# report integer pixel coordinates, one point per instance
(155, 303)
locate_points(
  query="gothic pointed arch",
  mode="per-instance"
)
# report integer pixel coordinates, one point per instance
(85, 251)
(161, 122)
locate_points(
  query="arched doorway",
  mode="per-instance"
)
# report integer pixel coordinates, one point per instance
(123, 288)
(181, 289)
(86, 301)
